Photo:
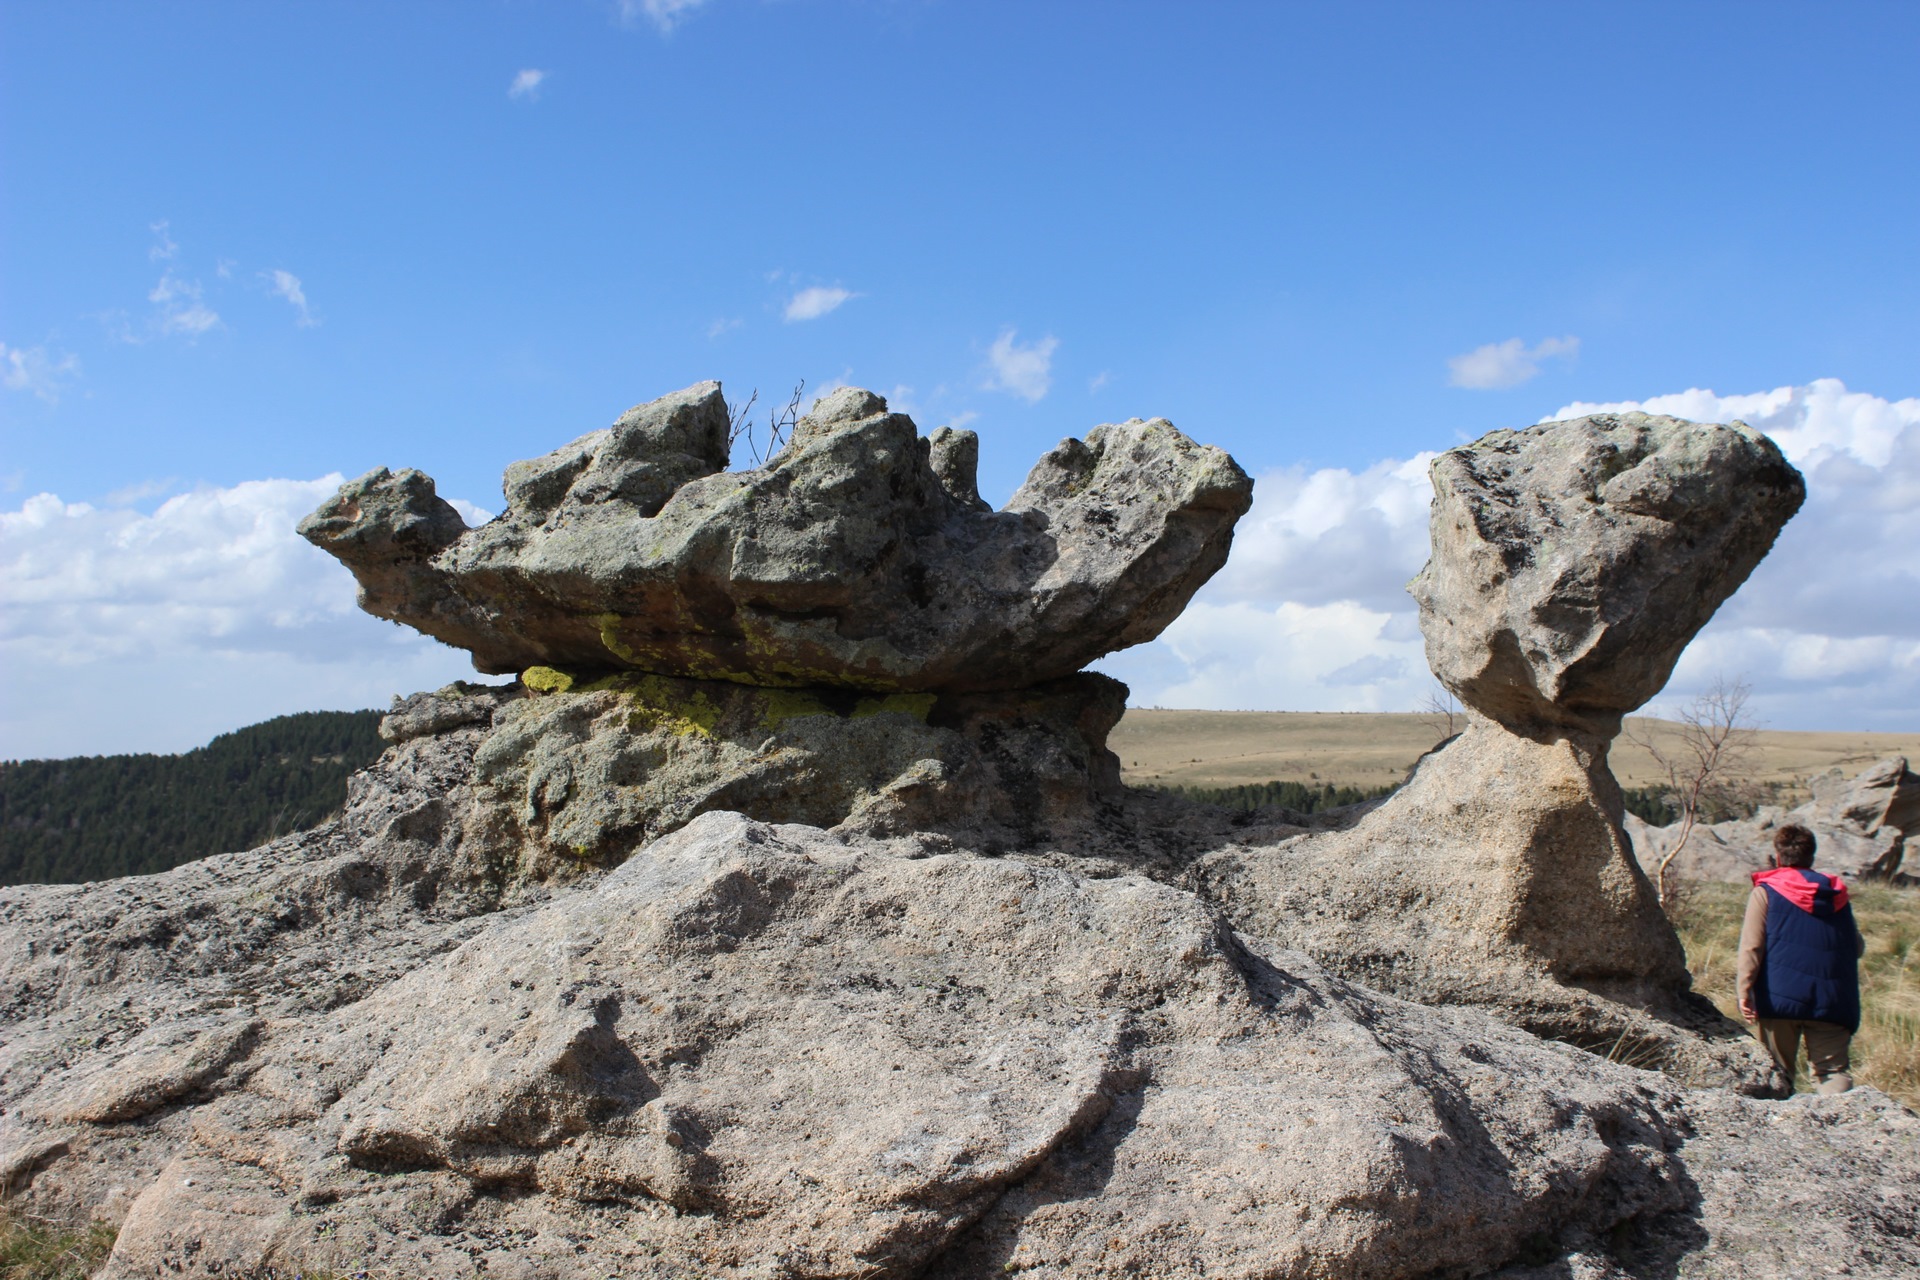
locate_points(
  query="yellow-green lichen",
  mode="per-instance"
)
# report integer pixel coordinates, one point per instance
(777, 706)
(661, 702)
(609, 624)
(546, 680)
(658, 702)
(554, 680)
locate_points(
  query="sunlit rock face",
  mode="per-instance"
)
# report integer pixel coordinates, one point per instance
(1573, 561)
(861, 556)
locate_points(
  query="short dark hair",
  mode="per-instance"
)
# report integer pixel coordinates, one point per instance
(1793, 846)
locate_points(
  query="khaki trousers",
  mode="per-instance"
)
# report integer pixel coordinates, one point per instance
(1826, 1050)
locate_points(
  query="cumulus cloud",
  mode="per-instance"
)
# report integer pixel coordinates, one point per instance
(125, 631)
(1507, 364)
(1310, 612)
(526, 85)
(1026, 371)
(812, 303)
(35, 371)
(664, 14)
(285, 284)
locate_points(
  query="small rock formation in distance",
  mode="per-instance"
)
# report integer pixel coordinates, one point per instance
(1861, 826)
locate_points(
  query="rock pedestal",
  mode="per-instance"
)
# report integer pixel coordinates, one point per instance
(1571, 564)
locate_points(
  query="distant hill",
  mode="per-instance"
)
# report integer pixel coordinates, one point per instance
(96, 817)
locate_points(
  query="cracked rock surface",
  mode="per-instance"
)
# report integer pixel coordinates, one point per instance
(1573, 561)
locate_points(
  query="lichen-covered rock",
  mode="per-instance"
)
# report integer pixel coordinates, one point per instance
(861, 556)
(592, 769)
(1573, 561)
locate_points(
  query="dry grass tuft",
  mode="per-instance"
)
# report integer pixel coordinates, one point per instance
(34, 1249)
(1886, 1053)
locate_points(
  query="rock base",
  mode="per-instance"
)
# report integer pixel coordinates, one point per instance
(1497, 877)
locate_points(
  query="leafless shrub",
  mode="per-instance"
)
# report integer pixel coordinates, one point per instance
(779, 427)
(1706, 765)
(1442, 713)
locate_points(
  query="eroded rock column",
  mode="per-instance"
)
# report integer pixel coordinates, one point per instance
(1572, 562)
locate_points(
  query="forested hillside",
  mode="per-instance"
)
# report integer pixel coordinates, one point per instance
(94, 817)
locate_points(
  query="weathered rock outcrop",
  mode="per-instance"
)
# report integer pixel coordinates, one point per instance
(540, 1005)
(1862, 825)
(861, 556)
(594, 769)
(764, 1051)
(1571, 564)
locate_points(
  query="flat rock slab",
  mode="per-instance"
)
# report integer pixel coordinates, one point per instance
(860, 556)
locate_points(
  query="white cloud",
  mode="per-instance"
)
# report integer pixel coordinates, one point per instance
(1099, 380)
(1811, 423)
(1507, 364)
(126, 632)
(163, 248)
(1310, 612)
(526, 85)
(33, 370)
(1330, 535)
(178, 309)
(664, 14)
(1238, 655)
(285, 284)
(812, 303)
(1026, 371)
(722, 327)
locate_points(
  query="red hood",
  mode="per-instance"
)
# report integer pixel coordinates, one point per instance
(1798, 886)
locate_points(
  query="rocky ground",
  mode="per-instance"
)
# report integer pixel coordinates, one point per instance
(623, 972)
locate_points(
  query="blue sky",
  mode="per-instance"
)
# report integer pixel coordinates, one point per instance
(242, 242)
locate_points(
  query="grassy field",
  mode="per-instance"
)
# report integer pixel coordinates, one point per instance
(33, 1250)
(1356, 749)
(1886, 1053)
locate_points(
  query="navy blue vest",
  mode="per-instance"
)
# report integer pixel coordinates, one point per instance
(1812, 964)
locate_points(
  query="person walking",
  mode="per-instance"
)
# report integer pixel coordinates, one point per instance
(1799, 974)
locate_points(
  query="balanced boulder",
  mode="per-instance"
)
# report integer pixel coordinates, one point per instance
(1572, 562)
(860, 556)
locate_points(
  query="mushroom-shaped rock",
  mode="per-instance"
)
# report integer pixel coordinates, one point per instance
(860, 556)
(1573, 561)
